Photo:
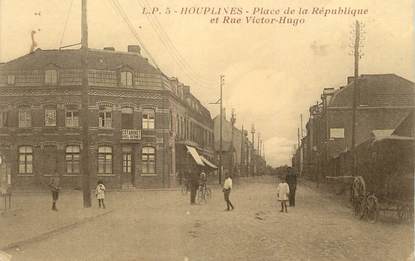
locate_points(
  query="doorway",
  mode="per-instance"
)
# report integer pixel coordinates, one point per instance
(127, 165)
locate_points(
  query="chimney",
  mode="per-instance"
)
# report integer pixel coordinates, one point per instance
(134, 49)
(186, 89)
(109, 48)
(350, 79)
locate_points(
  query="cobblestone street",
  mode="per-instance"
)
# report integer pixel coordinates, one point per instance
(161, 225)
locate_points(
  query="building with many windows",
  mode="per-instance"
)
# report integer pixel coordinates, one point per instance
(140, 120)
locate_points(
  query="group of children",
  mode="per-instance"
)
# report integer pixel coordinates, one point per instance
(55, 188)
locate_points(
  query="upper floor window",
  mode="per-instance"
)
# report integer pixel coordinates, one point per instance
(11, 79)
(51, 77)
(72, 117)
(126, 118)
(50, 116)
(126, 79)
(25, 160)
(105, 117)
(25, 117)
(4, 115)
(148, 119)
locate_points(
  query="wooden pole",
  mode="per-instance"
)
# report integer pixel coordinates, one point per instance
(85, 103)
(355, 93)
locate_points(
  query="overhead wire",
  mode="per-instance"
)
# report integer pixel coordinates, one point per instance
(132, 29)
(66, 23)
(168, 43)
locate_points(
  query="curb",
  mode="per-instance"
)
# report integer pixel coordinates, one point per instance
(52, 232)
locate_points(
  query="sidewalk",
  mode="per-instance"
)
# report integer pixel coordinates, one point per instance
(31, 217)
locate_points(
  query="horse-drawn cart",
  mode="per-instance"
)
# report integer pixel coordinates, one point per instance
(386, 181)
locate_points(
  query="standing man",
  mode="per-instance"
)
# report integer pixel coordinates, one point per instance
(194, 184)
(291, 179)
(227, 187)
(54, 188)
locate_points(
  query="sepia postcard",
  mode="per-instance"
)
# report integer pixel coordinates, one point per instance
(207, 130)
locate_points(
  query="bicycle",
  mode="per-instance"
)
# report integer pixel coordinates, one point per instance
(203, 194)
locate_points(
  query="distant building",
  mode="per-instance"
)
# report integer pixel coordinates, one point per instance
(140, 120)
(238, 154)
(383, 101)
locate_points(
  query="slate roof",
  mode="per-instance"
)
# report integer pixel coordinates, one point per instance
(378, 90)
(71, 59)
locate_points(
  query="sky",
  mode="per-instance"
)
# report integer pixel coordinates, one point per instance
(273, 72)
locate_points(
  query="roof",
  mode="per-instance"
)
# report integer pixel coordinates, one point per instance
(377, 90)
(71, 58)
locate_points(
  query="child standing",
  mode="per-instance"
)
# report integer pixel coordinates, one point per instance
(100, 193)
(283, 190)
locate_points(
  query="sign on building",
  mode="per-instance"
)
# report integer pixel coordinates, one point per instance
(336, 133)
(129, 134)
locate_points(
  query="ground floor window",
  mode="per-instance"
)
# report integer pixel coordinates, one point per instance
(72, 154)
(148, 158)
(126, 159)
(25, 160)
(104, 160)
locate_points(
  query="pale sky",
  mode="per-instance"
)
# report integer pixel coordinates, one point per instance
(273, 72)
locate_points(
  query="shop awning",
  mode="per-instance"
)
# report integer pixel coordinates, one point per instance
(208, 163)
(195, 155)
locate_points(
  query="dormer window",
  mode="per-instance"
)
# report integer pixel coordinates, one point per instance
(51, 77)
(126, 79)
(11, 79)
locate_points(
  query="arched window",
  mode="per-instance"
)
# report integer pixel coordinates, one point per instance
(25, 160)
(148, 160)
(25, 117)
(50, 116)
(104, 160)
(126, 79)
(148, 119)
(105, 117)
(51, 77)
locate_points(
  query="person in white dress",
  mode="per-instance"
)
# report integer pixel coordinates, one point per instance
(283, 191)
(100, 193)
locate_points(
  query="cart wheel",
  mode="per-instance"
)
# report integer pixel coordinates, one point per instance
(358, 206)
(372, 208)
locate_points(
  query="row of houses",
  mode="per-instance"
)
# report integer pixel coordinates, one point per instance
(385, 102)
(145, 128)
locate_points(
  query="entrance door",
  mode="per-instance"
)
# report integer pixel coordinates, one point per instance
(127, 165)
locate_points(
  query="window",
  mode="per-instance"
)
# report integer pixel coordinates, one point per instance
(126, 79)
(72, 159)
(50, 116)
(126, 118)
(148, 119)
(4, 115)
(336, 133)
(11, 79)
(25, 117)
(104, 160)
(51, 77)
(148, 158)
(25, 160)
(105, 117)
(72, 117)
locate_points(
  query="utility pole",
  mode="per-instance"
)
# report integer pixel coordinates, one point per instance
(242, 147)
(1, 23)
(222, 82)
(253, 150)
(85, 104)
(233, 120)
(355, 93)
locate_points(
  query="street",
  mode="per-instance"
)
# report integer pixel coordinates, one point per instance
(161, 225)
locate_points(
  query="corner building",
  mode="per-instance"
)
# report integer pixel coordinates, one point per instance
(137, 115)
